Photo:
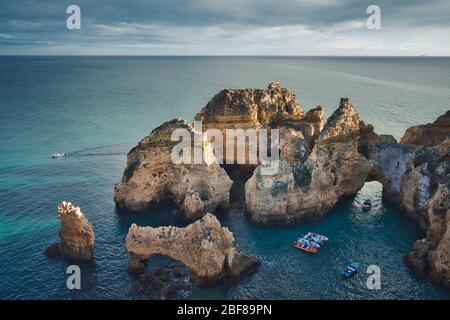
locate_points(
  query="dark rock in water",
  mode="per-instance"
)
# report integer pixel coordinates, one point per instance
(53, 251)
(165, 282)
(171, 291)
(417, 258)
(241, 264)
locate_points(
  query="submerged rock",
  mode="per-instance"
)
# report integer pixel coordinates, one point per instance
(169, 281)
(76, 235)
(204, 247)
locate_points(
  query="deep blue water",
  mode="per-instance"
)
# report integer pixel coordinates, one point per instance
(97, 108)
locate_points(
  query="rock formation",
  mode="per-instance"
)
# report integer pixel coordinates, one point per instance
(76, 234)
(425, 196)
(206, 248)
(430, 134)
(250, 108)
(255, 109)
(310, 183)
(319, 164)
(151, 176)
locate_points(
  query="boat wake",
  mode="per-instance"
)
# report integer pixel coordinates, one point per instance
(110, 150)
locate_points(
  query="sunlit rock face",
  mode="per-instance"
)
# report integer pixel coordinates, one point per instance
(319, 163)
(250, 108)
(313, 174)
(271, 108)
(205, 247)
(429, 135)
(76, 235)
(151, 176)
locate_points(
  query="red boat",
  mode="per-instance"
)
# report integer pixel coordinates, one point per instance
(305, 247)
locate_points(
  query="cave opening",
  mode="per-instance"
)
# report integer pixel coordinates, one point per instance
(239, 174)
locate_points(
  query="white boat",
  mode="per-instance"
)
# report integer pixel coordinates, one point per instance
(317, 238)
(308, 242)
(59, 155)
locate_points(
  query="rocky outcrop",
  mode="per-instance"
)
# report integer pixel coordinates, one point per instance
(310, 183)
(76, 235)
(151, 176)
(429, 135)
(319, 164)
(242, 109)
(250, 108)
(425, 196)
(204, 247)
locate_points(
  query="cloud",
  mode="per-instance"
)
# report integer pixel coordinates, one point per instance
(225, 27)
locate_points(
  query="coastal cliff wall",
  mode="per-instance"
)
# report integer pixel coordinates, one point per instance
(151, 176)
(319, 163)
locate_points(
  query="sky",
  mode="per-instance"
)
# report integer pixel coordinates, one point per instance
(225, 27)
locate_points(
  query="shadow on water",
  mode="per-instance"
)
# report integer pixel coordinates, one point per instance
(163, 214)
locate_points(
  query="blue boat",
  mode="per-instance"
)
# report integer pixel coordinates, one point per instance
(350, 270)
(367, 204)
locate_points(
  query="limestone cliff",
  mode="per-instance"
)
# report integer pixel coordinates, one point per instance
(309, 185)
(425, 196)
(274, 107)
(319, 164)
(151, 176)
(250, 108)
(76, 235)
(430, 134)
(206, 248)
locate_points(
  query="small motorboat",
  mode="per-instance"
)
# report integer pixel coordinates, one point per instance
(350, 270)
(59, 155)
(367, 204)
(317, 238)
(308, 242)
(305, 247)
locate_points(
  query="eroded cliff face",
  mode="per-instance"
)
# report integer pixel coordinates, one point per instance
(151, 176)
(319, 164)
(310, 182)
(425, 196)
(429, 135)
(250, 108)
(76, 235)
(205, 247)
(274, 107)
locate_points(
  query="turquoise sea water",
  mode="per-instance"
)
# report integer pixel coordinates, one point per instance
(97, 108)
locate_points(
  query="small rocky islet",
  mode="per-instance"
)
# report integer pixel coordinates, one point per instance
(320, 162)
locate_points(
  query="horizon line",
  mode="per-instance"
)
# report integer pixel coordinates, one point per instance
(231, 55)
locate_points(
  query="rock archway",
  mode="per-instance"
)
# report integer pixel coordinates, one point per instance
(206, 248)
(319, 163)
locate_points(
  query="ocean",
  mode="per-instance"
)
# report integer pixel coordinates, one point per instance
(97, 108)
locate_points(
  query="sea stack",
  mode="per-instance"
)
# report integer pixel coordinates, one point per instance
(151, 176)
(206, 248)
(316, 169)
(76, 235)
(319, 164)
